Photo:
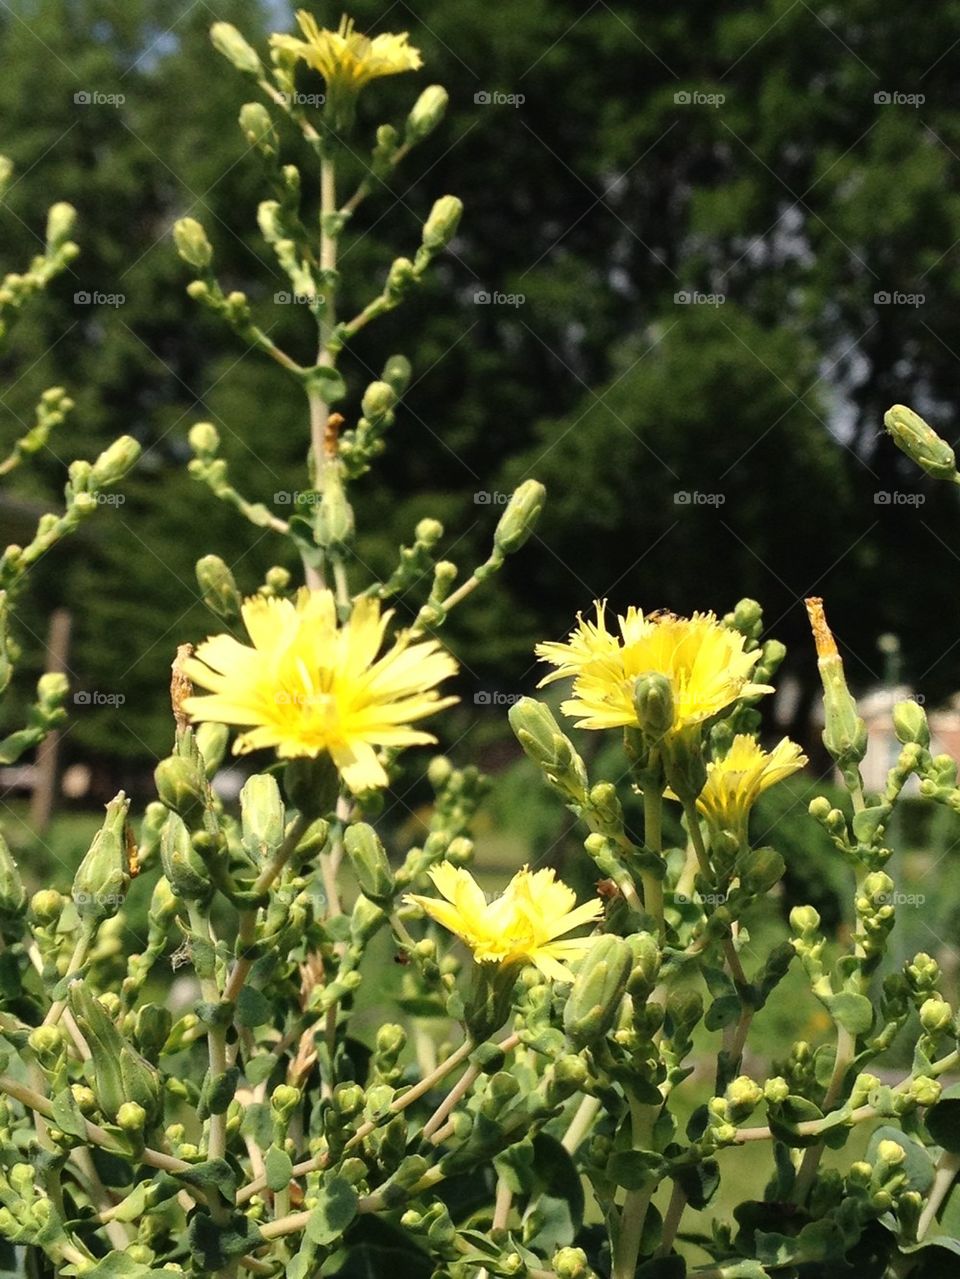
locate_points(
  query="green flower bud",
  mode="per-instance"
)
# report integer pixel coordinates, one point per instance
(85, 1098)
(335, 521)
(369, 862)
(312, 785)
(891, 1153)
(925, 1091)
(192, 243)
(228, 41)
(441, 226)
(391, 1041)
(805, 921)
(569, 1076)
(920, 442)
(400, 278)
(744, 1095)
(776, 1090)
(131, 1117)
(284, 1100)
(152, 1030)
(653, 702)
(748, 618)
(218, 587)
(646, 960)
(844, 733)
(935, 1016)
(204, 439)
(570, 1263)
(13, 895)
(258, 128)
(52, 690)
(910, 723)
(46, 906)
(598, 987)
(60, 221)
(379, 399)
(181, 786)
(114, 462)
(103, 877)
(397, 372)
(501, 1090)
(426, 113)
(47, 1042)
(518, 521)
(212, 742)
(348, 1099)
(366, 919)
(184, 868)
(262, 817)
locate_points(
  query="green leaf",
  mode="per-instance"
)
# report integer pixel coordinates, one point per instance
(851, 1011)
(943, 1120)
(212, 1174)
(336, 1209)
(259, 1068)
(279, 1168)
(253, 1008)
(634, 1169)
(699, 1182)
(722, 1012)
(67, 1114)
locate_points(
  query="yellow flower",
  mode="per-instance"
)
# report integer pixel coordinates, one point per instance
(346, 59)
(703, 660)
(523, 923)
(306, 685)
(735, 783)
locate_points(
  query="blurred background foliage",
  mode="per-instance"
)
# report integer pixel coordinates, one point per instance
(799, 198)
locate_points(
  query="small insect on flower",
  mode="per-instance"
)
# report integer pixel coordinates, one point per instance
(306, 685)
(703, 661)
(525, 923)
(735, 782)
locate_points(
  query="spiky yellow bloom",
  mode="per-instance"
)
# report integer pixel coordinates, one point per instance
(703, 660)
(523, 923)
(346, 59)
(736, 782)
(306, 685)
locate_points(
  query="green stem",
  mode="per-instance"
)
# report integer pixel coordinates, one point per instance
(700, 848)
(948, 1165)
(653, 839)
(633, 1213)
(87, 931)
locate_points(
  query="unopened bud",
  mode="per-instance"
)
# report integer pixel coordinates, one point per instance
(570, 1263)
(369, 862)
(13, 895)
(804, 920)
(397, 372)
(103, 876)
(114, 462)
(258, 128)
(653, 702)
(262, 816)
(192, 243)
(218, 587)
(426, 113)
(520, 518)
(920, 442)
(228, 41)
(181, 786)
(131, 1117)
(598, 986)
(204, 439)
(440, 227)
(212, 742)
(910, 723)
(379, 399)
(60, 220)
(935, 1015)
(46, 906)
(844, 733)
